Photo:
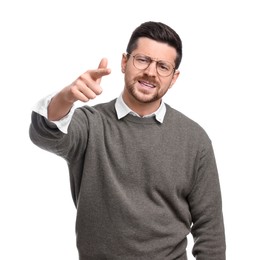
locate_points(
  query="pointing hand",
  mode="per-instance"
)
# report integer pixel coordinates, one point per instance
(87, 86)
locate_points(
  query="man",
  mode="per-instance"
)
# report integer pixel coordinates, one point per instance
(143, 175)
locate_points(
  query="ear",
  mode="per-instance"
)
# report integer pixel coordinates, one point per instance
(124, 62)
(174, 78)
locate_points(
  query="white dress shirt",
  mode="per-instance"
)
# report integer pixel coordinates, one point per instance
(122, 110)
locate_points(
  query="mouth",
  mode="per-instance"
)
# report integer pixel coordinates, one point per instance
(146, 84)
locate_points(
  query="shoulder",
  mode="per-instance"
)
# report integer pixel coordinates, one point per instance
(94, 115)
(186, 127)
(98, 109)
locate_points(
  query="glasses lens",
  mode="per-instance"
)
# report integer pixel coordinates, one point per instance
(164, 68)
(141, 62)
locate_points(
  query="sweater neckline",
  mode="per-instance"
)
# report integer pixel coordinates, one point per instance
(140, 120)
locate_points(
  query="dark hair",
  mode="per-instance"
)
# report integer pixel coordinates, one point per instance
(159, 32)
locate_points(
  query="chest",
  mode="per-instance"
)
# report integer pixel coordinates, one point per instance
(153, 158)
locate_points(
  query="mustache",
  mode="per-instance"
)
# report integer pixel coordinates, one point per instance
(148, 79)
(143, 77)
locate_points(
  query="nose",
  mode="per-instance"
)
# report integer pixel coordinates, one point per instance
(151, 69)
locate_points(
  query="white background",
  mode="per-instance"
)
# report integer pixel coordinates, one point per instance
(45, 45)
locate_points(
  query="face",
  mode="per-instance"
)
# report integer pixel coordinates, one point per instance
(147, 86)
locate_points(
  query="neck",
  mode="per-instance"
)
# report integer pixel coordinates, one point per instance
(141, 108)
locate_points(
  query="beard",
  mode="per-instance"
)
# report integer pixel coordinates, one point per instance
(143, 95)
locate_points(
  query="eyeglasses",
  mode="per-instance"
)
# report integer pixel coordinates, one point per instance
(142, 62)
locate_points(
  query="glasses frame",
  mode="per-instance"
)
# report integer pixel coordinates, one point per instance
(150, 61)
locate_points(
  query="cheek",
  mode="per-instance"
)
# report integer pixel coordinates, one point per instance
(129, 72)
(169, 83)
(127, 77)
(165, 89)
(165, 86)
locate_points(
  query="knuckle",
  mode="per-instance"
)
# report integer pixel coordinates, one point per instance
(73, 89)
(98, 90)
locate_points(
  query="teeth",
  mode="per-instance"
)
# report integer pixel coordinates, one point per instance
(147, 84)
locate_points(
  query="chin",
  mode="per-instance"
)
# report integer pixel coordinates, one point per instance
(145, 98)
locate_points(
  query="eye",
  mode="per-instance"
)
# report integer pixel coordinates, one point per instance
(163, 66)
(142, 59)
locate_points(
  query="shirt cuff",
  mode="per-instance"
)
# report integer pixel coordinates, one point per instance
(41, 108)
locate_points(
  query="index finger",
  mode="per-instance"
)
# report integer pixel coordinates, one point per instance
(101, 71)
(103, 63)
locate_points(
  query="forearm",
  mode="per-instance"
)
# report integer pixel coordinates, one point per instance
(59, 106)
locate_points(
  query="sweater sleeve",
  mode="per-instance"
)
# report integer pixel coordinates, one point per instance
(206, 209)
(46, 135)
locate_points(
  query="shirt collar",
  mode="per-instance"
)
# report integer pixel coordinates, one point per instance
(122, 110)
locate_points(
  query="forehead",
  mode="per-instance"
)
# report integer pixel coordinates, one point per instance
(154, 49)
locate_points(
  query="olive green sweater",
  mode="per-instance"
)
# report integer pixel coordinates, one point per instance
(139, 186)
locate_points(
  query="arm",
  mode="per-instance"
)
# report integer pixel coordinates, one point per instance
(45, 124)
(206, 210)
